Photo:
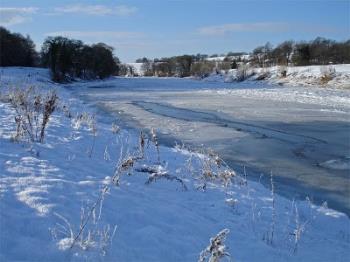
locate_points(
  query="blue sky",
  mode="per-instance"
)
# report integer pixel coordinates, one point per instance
(158, 28)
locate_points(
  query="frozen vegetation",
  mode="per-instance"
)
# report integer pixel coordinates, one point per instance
(87, 189)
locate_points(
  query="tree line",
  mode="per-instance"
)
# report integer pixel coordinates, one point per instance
(180, 66)
(320, 51)
(17, 50)
(66, 58)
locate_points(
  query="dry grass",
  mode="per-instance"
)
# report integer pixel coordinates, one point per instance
(216, 249)
(327, 74)
(33, 112)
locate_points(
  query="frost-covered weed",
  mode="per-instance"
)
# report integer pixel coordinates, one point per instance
(82, 120)
(243, 72)
(88, 121)
(33, 112)
(216, 249)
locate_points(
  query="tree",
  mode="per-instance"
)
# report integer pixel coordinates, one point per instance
(69, 58)
(302, 54)
(183, 65)
(104, 63)
(147, 67)
(163, 68)
(282, 53)
(202, 68)
(142, 60)
(63, 56)
(17, 50)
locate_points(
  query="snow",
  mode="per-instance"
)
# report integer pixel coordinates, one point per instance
(217, 58)
(222, 58)
(296, 76)
(285, 129)
(44, 188)
(137, 67)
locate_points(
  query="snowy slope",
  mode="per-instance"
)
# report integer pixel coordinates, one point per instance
(295, 76)
(45, 187)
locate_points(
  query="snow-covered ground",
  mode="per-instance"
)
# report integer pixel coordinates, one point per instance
(292, 131)
(222, 58)
(339, 75)
(47, 191)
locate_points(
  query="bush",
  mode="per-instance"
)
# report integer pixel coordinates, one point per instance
(202, 69)
(327, 74)
(243, 72)
(33, 113)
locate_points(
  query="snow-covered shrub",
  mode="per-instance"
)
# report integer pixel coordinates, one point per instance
(33, 112)
(264, 74)
(84, 120)
(216, 249)
(212, 169)
(91, 235)
(269, 236)
(327, 74)
(244, 72)
(158, 172)
(202, 69)
(88, 121)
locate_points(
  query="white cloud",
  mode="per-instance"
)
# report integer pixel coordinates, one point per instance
(121, 10)
(16, 15)
(243, 27)
(97, 35)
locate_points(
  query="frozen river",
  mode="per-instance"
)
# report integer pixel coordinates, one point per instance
(299, 134)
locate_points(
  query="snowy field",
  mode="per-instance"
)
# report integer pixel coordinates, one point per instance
(60, 200)
(329, 76)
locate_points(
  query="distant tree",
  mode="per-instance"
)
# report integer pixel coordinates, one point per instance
(340, 53)
(17, 50)
(183, 65)
(224, 65)
(142, 60)
(104, 63)
(63, 56)
(302, 54)
(282, 54)
(202, 68)
(258, 55)
(147, 67)
(236, 54)
(199, 57)
(262, 54)
(123, 70)
(69, 58)
(163, 68)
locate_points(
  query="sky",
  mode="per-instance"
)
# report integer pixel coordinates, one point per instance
(160, 28)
